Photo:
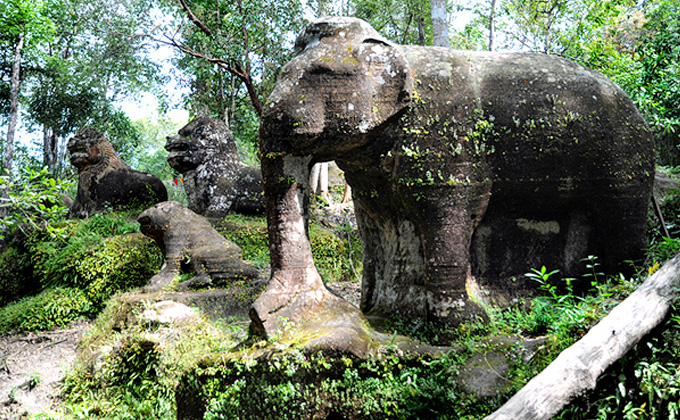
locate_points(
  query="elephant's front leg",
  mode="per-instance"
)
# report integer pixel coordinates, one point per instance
(447, 220)
(295, 286)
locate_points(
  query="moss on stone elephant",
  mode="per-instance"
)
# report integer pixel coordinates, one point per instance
(467, 168)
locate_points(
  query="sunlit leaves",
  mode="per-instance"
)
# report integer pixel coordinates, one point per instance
(32, 199)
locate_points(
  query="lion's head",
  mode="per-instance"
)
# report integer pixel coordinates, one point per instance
(154, 221)
(90, 148)
(197, 142)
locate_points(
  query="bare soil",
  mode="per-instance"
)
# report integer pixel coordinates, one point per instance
(32, 367)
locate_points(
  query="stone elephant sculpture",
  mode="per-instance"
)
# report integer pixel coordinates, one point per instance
(467, 168)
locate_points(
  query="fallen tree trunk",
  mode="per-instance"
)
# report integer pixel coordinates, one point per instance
(577, 368)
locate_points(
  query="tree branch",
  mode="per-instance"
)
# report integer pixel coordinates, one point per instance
(236, 70)
(577, 368)
(196, 21)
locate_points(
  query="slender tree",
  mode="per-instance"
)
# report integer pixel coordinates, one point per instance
(22, 28)
(492, 25)
(14, 103)
(440, 23)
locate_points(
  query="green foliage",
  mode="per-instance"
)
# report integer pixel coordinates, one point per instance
(137, 375)
(16, 274)
(150, 155)
(248, 40)
(31, 200)
(404, 22)
(559, 27)
(337, 255)
(657, 93)
(81, 58)
(302, 385)
(643, 385)
(250, 233)
(661, 248)
(54, 307)
(98, 258)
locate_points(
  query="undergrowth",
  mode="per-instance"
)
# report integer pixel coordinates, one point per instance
(337, 253)
(131, 371)
(74, 276)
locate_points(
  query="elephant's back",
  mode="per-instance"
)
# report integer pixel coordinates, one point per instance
(560, 127)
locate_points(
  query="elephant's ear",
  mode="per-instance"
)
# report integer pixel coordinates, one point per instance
(389, 77)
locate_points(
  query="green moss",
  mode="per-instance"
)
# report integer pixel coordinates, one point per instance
(307, 385)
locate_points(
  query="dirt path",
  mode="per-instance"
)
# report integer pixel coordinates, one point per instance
(32, 367)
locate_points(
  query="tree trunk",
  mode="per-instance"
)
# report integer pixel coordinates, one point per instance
(492, 23)
(440, 25)
(51, 155)
(421, 30)
(323, 8)
(14, 103)
(577, 368)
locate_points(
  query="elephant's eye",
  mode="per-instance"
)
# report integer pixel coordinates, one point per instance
(320, 70)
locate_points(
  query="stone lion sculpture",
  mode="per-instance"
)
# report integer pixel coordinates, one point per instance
(104, 180)
(215, 179)
(190, 244)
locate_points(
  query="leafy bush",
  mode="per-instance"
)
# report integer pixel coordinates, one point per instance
(302, 385)
(97, 259)
(54, 307)
(16, 273)
(31, 200)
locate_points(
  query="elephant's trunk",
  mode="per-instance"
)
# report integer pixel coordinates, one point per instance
(295, 284)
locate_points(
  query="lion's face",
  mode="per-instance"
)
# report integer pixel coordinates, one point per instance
(84, 148)
(185, 152)
(197, 142)
(155, 220)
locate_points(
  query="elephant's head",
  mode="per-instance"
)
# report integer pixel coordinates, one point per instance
(344, 81)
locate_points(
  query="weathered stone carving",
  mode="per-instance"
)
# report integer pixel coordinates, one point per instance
(215, 179)
(104, 180)
(190, 244)
(467, 168)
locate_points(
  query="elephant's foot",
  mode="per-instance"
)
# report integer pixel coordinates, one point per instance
(290, 297)
(314, 318)
(450, 308)
(158, 282)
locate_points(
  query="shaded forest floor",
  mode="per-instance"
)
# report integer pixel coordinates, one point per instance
(32, 367)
